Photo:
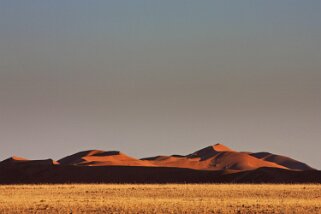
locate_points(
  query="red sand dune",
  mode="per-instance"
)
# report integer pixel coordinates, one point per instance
(216, 163)
(282, 160)
(102, 158)
(23, 161)
(217, 157)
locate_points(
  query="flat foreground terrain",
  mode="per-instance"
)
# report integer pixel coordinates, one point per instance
(160, 198)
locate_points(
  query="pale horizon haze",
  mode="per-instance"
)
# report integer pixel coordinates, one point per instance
(160, 77)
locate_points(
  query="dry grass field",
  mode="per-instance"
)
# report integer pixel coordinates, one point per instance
(167, 198)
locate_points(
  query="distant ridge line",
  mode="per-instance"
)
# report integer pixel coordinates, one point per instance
(212, 164)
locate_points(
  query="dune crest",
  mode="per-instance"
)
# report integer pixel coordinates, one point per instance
(14, 159)
(210, 151)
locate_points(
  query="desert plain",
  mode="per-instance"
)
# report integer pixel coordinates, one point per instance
(161, 198)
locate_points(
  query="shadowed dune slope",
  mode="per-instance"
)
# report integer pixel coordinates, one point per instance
(282, 160)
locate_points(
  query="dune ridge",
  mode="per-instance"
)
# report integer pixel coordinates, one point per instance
(214, 157)
(216, 164)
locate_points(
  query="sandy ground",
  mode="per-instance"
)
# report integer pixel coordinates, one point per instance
(167, 198)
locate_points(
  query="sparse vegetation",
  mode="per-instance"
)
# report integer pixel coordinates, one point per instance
(167, 198)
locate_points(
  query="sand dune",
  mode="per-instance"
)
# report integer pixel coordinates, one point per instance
(14, 160)
(216, 163)
(216, 157)
(282, 160)
(102, 158)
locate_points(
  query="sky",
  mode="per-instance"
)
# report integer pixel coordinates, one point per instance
(160, 77)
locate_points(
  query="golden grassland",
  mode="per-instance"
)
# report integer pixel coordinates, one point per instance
(161, 198)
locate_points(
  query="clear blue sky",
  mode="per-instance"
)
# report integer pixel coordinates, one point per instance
(160, 77)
